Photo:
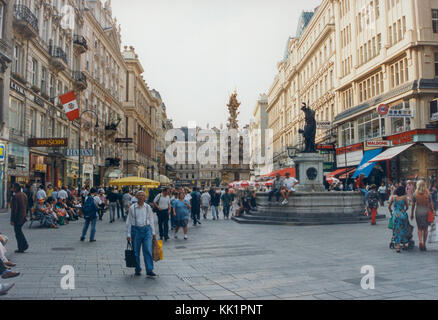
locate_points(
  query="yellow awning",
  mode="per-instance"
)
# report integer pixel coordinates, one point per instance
(135, 181)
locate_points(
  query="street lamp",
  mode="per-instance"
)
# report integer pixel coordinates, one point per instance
(80, 140)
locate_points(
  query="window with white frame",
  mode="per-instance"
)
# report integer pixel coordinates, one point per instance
(403, 124)
(34, 72)
(348, 133)
(15, 115)
(371, 126)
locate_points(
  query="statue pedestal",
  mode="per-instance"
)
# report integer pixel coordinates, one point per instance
(310, 172)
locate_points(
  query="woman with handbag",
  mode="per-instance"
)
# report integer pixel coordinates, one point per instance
(422, 206)
(400, 218)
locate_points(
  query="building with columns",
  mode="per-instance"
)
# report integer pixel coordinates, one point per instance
(140, 108)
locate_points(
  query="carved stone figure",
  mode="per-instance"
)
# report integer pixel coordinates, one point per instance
(233, 107)
(309, 132)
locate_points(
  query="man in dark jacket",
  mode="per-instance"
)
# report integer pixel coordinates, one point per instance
(18, 217)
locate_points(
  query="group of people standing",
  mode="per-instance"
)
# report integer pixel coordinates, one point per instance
(416, 196)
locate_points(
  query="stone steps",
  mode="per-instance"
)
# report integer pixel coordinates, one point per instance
(268, 220)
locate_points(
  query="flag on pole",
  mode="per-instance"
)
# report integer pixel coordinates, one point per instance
(70, 104)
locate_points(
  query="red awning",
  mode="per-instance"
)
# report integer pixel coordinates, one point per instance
(339, 172)
(282, 173)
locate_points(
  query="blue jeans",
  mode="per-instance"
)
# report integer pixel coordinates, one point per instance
(142, 239)
(365, 193)
(113, 208)
(93, 228)
(163, 223)
(226, 210)
(215, 212)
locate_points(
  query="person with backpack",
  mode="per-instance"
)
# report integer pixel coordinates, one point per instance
(90, 211)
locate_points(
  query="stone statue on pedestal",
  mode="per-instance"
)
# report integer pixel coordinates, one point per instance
(309, 132)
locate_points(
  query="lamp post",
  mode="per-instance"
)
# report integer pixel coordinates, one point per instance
(80, 140)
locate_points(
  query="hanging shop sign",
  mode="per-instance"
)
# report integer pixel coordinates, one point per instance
(324, 125)
(75, 153)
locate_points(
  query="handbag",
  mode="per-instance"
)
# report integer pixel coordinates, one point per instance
(157, 252)
(131, 261)
(430, 212)
(433, 233)
(391, 223)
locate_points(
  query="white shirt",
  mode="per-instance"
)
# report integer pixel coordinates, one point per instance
(205, 199)
(289, 183)
(162, 201)
(97, 200)
(62, 194)
(140, 217)
(382, 189)
(188, 197)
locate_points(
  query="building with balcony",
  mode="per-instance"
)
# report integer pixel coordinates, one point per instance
(305, 74)
(140, 108)
(101, 63)
(393, 62)
(42, 63)
(6, 32)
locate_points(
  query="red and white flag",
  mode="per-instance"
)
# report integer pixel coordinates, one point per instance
(70, 104)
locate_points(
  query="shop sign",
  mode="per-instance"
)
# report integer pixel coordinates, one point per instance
(124, 140)
(2, 152)
(18, 88)
(434, 117)
(38, 101)
(75, 153)
(376, 144)
(50, 142)
(41, 167)
(324, 125)
(403, 113)
(325, 147)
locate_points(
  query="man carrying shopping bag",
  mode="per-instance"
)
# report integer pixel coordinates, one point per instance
(140, 227)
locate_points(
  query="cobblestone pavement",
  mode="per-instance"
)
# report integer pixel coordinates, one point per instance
(225, 260)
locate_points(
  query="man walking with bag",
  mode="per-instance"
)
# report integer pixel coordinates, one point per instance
(18, 217)
(141, 229)
(90, 210)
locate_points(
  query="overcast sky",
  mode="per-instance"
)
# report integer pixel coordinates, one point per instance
(197, 52)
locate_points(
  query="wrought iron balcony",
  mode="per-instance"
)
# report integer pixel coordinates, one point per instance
(80, 80)
(59, 58)
(80, 43)
(25, 22)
